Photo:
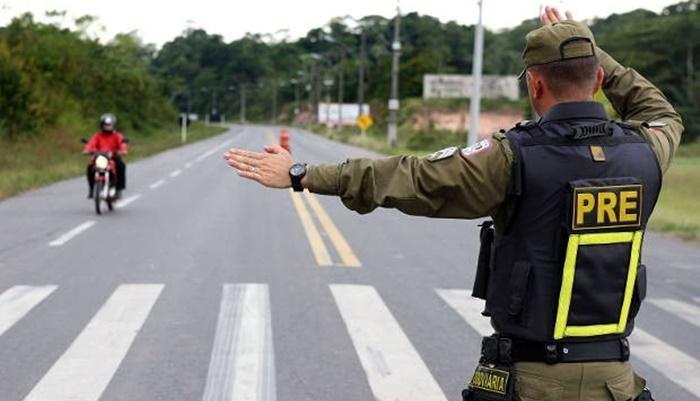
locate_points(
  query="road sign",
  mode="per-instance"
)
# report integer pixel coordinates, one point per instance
(364, 122)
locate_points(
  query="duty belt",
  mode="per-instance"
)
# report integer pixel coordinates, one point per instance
(593, 351)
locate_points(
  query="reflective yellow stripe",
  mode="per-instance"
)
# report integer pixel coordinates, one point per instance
(631, 278)
(561, 329)
(567, 284)
(605, 238)
(589, 331)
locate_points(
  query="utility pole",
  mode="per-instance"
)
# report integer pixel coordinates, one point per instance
(361, 73)
(394, 99)
(295, 82)
(274, 102)
(242, 86)
(328, 82)
(475, 101)
(340, 89)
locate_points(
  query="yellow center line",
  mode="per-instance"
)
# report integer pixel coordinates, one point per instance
(317, 246)
(341, 245)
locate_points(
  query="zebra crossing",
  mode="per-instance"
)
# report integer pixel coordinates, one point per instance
(242, 360)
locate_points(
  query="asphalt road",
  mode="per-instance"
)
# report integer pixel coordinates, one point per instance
(203, 286)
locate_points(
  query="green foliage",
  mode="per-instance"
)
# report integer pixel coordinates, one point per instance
(50, 76)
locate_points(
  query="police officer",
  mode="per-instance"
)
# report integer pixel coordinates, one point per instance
(570, 195)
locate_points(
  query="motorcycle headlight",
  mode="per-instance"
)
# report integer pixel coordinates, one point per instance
(101, 162)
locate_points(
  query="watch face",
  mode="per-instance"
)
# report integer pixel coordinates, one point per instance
(297, 170)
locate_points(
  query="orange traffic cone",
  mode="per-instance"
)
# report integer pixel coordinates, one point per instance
(284, 140)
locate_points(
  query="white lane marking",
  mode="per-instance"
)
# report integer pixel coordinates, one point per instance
(212, 151)
(188, 165)
(17, 301)
(469, 308)
(157, 184)
(125, 202)
(696, 299)
(394, 368)
(689, 313)
(72, 233)
(84, 370)
(175, 173)
(677, 366)
(242, 364)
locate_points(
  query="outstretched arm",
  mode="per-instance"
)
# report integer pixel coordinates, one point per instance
(466, 183)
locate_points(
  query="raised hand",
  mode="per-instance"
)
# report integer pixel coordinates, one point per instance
(270, 169)
(551, 16)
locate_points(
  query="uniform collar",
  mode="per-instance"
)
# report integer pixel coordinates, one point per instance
(575, 110)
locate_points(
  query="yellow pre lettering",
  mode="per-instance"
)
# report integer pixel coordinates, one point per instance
(628, 206)
(585, 202)
(606, 207)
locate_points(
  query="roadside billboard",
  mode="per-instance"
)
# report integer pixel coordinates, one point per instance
(453, 86)
(340, 114)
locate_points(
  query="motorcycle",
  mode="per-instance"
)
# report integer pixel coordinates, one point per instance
(104, 190)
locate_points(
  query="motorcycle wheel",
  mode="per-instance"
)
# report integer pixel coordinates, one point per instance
(98, 193)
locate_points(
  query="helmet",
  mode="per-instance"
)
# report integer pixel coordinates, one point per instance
(108, 119)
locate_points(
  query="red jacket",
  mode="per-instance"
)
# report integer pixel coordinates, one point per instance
(105, 142)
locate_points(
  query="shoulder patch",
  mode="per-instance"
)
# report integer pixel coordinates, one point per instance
(476, 148)
(442, 154)
(656, 124)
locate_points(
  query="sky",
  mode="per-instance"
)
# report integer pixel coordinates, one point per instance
(158, 21)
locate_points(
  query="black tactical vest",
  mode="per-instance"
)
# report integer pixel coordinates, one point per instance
(568, 264)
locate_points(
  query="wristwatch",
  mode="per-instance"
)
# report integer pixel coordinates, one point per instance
(296, 173)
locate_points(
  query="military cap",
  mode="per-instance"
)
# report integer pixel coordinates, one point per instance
(564, 40)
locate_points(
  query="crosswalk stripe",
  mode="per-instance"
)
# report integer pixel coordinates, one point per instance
(17, 301)
(689, 313)
(469, 308)
(394, 369)
(676, 365)
(84, 370)
(242, 365)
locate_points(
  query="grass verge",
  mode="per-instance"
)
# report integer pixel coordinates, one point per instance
(676, 212)
(56, 155)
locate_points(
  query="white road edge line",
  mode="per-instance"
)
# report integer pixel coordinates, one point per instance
(689, 313)
(469, 308)
(17, 301)
(242, 363)
(157, 184)
(188, 164)
(72, 233)
(175, 173)
(86, 368)
(394, 369)
(212, 151)
(677, 366)
(125, 202)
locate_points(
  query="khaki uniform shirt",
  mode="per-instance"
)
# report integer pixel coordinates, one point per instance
(474, 183)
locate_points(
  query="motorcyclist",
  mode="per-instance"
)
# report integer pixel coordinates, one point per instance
(107, 139)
